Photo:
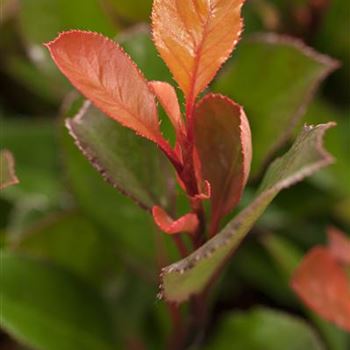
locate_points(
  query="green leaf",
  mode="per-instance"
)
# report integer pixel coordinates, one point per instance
(337, 180)
(136, 10)
(263, 328)
(253, 265)
(138, 44)
(38, 174)
(190, 275)
(50, 309)
(113, 212)
(128, 162)
(60, 15)
(72, 241)
(130, 226)
(40, 190)
(332, 38)
(273, 78)
(7, 169)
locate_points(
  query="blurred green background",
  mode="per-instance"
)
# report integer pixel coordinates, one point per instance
(79, 264)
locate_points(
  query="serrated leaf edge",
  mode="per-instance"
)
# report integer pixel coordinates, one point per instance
(93, 159)
(205, 251)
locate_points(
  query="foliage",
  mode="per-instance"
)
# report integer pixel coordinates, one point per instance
(81, 263)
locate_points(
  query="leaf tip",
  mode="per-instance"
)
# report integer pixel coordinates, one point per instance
(187, 223)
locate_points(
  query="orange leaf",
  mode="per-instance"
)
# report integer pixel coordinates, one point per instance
(167, 97)
(322, 284)
(339, 245)
(102, 72)
(195, 37)
(187, 223)
(225, 160)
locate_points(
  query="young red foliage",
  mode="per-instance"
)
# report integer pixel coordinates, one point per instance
(195, 38)
(167, 97)
(322, 284)
(187, 223)
(223, 142)
(102, 72)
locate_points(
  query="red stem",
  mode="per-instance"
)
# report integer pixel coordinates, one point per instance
(180, 245)
(214, 225)
(176, 339)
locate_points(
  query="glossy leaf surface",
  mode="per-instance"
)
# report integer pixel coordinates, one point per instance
(50, 309)
(102, 72)
(190, 275)
(225, 159)
(323, 285)
(195, 38)
(7, 169)
(274, 77)
(131, 164)
(267, 329)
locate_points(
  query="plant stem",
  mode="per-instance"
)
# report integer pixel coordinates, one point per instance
(199, 318)
(176, 340)
(180, 246)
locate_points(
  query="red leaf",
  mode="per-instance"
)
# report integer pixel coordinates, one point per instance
(102, 72)
(187, 223)
(167, 97)
(339, 245)
(225, 160)
(195, 38)
(322, 284)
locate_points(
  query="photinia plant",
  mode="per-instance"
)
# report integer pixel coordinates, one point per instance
(213, 150)
(322, 279)
(101, 70)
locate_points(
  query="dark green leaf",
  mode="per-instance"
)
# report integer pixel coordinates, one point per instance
(131, 226)
(60, 15)
(50, 309)
(273, 78)
(266, 329)
(138, 44)
(332, 37)
(34, 148)
(70, 240)
(117, 214)
(128, 162)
